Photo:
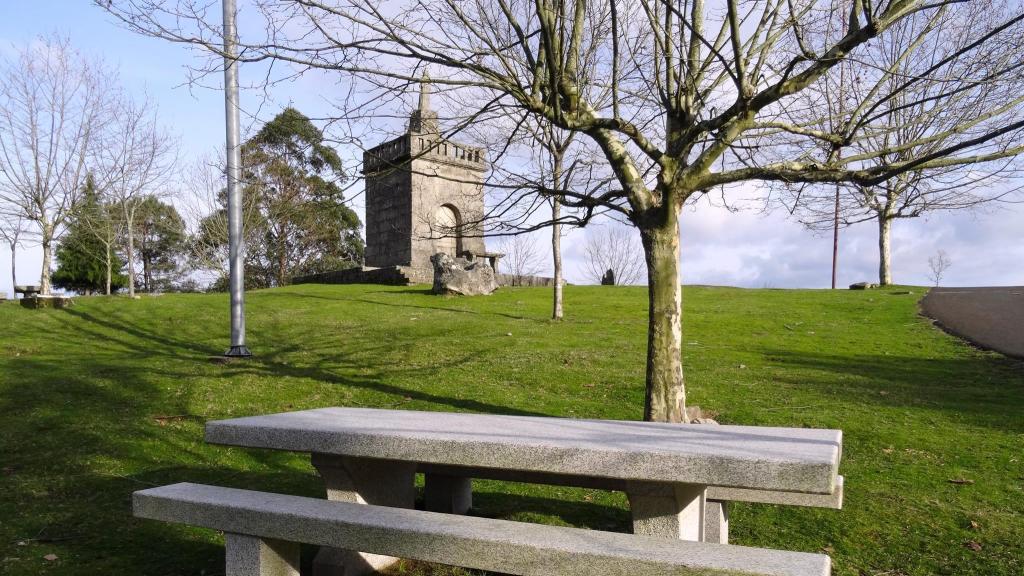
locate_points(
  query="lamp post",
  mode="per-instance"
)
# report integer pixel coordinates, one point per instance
(236, 248)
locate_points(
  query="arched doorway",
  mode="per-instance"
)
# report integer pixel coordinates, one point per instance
(447, 230)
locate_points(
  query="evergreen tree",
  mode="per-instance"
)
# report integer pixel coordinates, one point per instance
(160, 234)
(82, 253)
(292, 179)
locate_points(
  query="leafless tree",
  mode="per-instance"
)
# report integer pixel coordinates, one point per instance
(612, 247)
(522, 257)
(134, 158)
(699, 96)
(203, 207)
(104, 222)
(12, 231)
(938, 265)
(51, 103)
(887, 114)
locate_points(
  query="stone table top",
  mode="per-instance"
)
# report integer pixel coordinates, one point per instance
(765, 458)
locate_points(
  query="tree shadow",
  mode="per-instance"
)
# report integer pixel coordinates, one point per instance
(985, 391)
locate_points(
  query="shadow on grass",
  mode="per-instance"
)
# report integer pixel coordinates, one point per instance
(984, 391)
(147, 342)
(413, 306)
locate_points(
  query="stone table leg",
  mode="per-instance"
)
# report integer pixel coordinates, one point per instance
(446, 493)
(251, 556)
(716, 522)
(667, 510)
(365, 481)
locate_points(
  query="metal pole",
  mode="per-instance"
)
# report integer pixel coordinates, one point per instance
(236, 248)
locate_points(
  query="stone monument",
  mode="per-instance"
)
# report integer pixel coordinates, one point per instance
(424, 195)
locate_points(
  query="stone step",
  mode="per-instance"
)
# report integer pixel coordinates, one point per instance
(479, 543)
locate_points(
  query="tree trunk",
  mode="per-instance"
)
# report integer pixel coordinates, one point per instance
(146, 268)
(109, 271)
(666, 398)
(44, 276)
(131, 259)
(556, 254)
(14, 270)
(884, 253)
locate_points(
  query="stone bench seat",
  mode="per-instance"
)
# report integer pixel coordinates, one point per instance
(263, 532)
(449, 489)
(833, 500)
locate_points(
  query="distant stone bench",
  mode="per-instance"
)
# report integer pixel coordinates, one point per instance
(263, 532)
(492, 258)
(26, 291)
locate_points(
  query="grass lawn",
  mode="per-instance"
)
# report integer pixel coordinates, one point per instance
(110, 396)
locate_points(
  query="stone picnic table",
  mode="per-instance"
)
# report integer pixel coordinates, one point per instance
(371, 456)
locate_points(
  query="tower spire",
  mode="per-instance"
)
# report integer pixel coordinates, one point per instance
(425, 92)
(424, 120)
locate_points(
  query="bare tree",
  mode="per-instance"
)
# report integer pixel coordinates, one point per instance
(135, 157)
(204, 209)
(522, 257)
(51, 103)
(614, 248)
(938, 265)
(698, 97)
(886, 114)
(12, 231)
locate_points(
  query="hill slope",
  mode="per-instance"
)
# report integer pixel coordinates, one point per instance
(111, 395)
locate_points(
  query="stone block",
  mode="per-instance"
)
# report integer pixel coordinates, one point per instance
(252, 556)
(39, 302)
(362, 481)
(667, 510)
(716, 522)
(447, 493)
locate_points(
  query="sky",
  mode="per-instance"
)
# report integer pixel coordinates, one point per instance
(719, 247)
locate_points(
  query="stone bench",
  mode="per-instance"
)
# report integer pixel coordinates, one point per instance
(372, 456)
(263, 532)
(449, 489)
(26, 291)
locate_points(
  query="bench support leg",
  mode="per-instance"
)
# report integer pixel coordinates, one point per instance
(448, 494)
(716, 522)
(667, 510)
(365, 481)
(251, 556)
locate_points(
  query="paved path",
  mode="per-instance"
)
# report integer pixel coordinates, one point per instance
(991, 318)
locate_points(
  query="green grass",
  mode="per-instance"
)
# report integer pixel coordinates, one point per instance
(110, 396)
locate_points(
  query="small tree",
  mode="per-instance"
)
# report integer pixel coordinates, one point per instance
(12, 231)
(937, 265)
(135, 158)
(613, 248)
(522, 257)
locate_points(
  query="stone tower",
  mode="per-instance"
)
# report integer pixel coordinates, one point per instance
(424, 194)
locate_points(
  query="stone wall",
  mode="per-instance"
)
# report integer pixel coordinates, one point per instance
(510, 280)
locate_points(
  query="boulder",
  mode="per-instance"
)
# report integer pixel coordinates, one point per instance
(863, 286)
(460, 276)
